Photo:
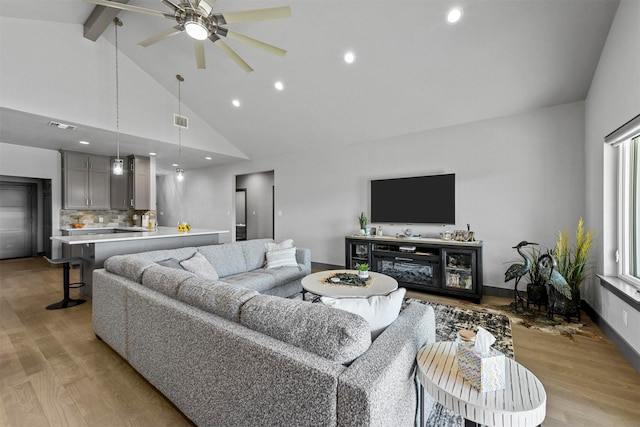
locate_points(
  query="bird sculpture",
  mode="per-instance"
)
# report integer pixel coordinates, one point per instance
(553, 279)
(517, 270)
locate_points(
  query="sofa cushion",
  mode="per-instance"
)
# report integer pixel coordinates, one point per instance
(379, 311)
(165, 280)
(256, 280)
(254, 251)
(337, 335)
(219, 298)
(227, 258)
(281, 258)
(171, 263)
(285, 274)
(130, 266)
(163, 254)
(199, 266)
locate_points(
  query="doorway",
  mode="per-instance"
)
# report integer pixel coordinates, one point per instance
(18, 219)
(255, 199)
(241, 214)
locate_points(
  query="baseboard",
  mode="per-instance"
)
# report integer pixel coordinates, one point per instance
(621, 344)
(497, 292)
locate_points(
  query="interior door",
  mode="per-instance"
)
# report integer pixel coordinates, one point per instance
(241, 214)
(16, 220)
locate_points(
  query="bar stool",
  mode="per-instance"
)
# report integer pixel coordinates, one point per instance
(66, 265)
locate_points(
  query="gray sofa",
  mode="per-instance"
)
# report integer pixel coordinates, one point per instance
(228, 355)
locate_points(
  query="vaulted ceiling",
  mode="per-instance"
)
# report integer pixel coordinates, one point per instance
(412, 72)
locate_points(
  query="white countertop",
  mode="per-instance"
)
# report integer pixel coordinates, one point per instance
(135, 234)
(105, 228)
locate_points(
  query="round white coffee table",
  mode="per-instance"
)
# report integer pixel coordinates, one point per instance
(523, 402)
(316, 283)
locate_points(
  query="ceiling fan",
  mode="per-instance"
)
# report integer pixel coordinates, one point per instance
(197, 19)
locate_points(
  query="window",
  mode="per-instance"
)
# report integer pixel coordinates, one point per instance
(629, 210)
(627, 139)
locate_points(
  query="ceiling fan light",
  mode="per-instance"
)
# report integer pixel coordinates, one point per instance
(196, 29)
(180, 174)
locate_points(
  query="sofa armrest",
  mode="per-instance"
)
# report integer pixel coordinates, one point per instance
(303, 256)
(378, 389)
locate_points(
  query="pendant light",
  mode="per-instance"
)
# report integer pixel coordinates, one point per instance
(118, 164)
(179, 171)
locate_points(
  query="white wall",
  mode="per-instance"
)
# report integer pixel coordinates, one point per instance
(519, 177)
(614, 98)
(30, 162)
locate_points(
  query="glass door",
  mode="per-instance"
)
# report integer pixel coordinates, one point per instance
(459, 267)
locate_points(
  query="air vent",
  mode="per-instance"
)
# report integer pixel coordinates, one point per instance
(62, 125)
(181, 121)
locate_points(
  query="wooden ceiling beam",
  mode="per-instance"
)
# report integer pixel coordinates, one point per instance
(101, 17)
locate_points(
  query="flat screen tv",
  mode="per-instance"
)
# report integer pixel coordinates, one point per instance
(415, 200)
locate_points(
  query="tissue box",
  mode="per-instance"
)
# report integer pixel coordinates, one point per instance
(486, 373)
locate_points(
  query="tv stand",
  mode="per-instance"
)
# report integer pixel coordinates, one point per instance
(430, 265)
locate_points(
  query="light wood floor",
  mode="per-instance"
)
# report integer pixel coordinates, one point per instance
(54, 372)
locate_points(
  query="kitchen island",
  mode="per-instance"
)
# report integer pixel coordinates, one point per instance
(96, 248)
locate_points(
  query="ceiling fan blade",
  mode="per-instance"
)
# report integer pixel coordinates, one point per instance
(172, 5)
(253, 15)
(251, 41)
(231, 53)
(161, 36)
(198, 46)
(130, 8)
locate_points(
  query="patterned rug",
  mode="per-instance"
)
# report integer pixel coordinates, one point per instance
(449, 320)
(532, 318)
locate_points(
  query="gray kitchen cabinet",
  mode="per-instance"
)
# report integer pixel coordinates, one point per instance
(120, 189)
(85, 181)
(139, 182)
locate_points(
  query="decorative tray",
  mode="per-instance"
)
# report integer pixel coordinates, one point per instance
(347, 279)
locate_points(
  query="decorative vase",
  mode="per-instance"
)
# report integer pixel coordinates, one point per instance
(363, 274)
(559, 304)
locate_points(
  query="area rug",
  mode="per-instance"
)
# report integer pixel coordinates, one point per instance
(449, 320)
(533, 318)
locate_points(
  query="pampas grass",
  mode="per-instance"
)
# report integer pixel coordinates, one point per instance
(573, 261)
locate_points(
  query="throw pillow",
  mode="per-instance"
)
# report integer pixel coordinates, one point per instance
(282, 258)
(200, 266)
(285, 244)
(380, 310)
(171, 263)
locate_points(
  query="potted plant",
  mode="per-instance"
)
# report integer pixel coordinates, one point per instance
(363, 222)
(363, 270)
(572, 265)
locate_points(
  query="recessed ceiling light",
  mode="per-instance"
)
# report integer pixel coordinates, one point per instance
(235, 103)
(454, 15)
(207, 158)
(84, 142)
(153, 154)
(279, 85)
(349, 57)
(175, 165)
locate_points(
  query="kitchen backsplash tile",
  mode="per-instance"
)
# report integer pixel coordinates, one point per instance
(110, 218)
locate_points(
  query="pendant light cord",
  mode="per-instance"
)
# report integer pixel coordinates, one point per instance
(179, 128)
(117, 23)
